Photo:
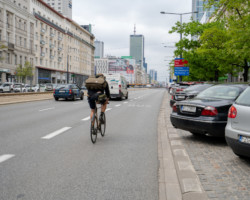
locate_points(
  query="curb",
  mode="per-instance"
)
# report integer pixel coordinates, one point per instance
(181, 180)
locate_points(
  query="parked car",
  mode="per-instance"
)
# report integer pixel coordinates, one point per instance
(68, 91)
(7, 87)
(188, 93)
(48, 87)
(38, 88)
(18, 87)
(207, 112)
(238, 127)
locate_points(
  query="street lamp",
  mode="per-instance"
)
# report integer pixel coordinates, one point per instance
(168, 13)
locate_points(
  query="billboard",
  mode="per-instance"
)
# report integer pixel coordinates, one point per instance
(124, 67)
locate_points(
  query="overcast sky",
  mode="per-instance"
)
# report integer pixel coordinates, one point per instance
(113, 22)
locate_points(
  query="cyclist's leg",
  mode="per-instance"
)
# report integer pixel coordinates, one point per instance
(104, 106)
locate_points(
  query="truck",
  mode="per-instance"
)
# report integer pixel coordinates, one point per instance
(118, 86)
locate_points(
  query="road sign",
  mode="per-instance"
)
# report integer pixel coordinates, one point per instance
(180, 62)
(181, 71)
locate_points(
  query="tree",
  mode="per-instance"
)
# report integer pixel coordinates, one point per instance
(24, 72)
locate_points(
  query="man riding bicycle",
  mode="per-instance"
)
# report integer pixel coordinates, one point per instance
(95, 94)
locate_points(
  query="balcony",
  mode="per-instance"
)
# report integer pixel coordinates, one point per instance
(59, 38)
(51, 46)
(42, 54)
(42, 42)
(51, 57)
(52, 35)
(59, 48)
(43, 31)
(59, 59)
(11, 46)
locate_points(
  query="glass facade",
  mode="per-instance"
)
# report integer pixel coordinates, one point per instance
(203, 14)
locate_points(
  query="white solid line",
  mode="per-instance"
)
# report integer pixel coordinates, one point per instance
(125, 102)
(118, 105)
(46, 109)
(108, 109)
(51, 135)
(86, 118)
(6, 157)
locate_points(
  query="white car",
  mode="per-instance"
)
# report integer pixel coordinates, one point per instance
(38, 88)
(19, 87)
(7, 87)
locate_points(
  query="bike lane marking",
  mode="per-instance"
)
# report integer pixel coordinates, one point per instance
(86, 118)
(51, 135)
(6, 157)
(108, 109)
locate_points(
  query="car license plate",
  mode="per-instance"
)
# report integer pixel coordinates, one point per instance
(62, 91)
(244, 139)
(180, 97)
(188, 108)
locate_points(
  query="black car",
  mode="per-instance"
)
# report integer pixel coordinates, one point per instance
(207, 112)
(188, 93)
(68, 91)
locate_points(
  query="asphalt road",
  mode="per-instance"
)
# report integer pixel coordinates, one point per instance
(46, 151)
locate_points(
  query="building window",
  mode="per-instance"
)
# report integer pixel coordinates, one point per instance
(15, 59)
(24, 43)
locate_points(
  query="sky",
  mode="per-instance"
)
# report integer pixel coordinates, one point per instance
(113, 22)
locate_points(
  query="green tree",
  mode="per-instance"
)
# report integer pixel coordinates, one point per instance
(24, 72)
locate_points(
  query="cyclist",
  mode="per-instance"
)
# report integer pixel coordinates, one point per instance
(93, 96)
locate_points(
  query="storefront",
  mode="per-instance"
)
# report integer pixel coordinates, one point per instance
(44, 76)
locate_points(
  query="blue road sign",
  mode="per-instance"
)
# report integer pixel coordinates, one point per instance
(181, 71)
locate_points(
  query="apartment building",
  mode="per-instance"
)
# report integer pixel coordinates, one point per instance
(16, 37)
(64, 50)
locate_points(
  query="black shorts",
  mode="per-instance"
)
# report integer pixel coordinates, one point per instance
(92, 100)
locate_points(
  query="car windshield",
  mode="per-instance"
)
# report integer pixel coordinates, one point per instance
(63, 87)
(244, 98)
(219, 92)
(17, 86)
(196, 87)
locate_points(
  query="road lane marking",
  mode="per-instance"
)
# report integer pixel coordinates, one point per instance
(117, 105)
(78, 103)
(108, 109)
(51, 135)
(86, 118)
(6, 157)
(125, 102)
(46, 109)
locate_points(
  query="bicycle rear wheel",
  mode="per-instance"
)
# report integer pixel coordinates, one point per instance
(103, 125)
(93, 129)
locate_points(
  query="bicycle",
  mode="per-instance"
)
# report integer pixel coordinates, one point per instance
(96, 125)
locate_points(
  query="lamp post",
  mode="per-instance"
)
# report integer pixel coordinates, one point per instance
(168, 13)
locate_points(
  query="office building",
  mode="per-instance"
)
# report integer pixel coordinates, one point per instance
(153, 74)
(137, 49)
(64, 7)
(203, 14)
(99, 49)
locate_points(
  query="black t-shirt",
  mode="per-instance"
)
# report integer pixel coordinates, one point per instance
(106, 90)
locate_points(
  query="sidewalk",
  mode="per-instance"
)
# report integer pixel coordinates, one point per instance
(177, 177)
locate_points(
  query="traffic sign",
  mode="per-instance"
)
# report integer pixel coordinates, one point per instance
(181, 71)
(180, 62)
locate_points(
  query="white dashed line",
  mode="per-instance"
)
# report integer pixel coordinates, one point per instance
(46, 109)
(86, 118)
(78, 103)
(118, 105)
(108, 109)
(6, 157)
(51, 135)
(125, 102)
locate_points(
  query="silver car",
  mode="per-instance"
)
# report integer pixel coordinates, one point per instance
(238, 125)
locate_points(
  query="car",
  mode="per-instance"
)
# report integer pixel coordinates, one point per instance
(188, 93)
(207, 112)
(48, 87)
(238, 129)
(68, 91)
(38, 88)
(19, 87)
(7, 87)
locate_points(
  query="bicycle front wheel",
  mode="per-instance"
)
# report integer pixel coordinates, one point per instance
(93, 129)
(103, 125)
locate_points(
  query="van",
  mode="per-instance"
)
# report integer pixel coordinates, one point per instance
(117, 86)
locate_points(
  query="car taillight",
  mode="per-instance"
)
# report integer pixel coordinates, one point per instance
(174, 108)
(209, 111)
(179, 90)
(172, 97)
(70, 91)
(232, 113)
(54, 91)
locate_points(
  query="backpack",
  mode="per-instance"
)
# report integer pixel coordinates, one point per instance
(93, 83)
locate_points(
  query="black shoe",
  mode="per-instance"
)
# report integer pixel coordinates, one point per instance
(101, 118)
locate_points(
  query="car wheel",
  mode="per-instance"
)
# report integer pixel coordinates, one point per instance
(12, 91)
(82, 97)
(1, 91)
(126, 96)
(56, 98)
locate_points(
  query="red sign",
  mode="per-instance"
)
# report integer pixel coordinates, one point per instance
(180, 62)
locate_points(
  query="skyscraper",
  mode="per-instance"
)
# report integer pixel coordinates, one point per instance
(137, 48)
(203, 14)
(99, 49)
(62, 6)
